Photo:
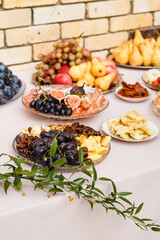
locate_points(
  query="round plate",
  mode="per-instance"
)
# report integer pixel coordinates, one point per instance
(130, 66)
(63, 168)
(155, 88)
(129, 99)
(151, 125)
(34, 80)
(20, 93)
(64, 118)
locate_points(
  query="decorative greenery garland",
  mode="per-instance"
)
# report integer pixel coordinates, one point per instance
(84, 187)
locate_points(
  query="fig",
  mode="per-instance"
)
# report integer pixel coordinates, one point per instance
(72, 101)
(57, 94)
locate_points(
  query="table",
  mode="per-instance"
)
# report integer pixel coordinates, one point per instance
(134, 167)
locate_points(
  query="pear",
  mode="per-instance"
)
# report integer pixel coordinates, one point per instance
(90, 78)
(130, 47)
(104, 82)
(123, 56)
(82, 82)
(158, 41)
(135, 59)
(146, 52)
(77, 72)
(138, 39)
(98, 69)
(89, 65)
(118, 49)
(156, 56)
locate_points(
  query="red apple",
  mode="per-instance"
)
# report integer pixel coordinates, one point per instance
(112, 69)
(63, 78)
(99, 59)
(108, 62)
(64, 69)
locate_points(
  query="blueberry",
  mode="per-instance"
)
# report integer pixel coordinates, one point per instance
(1, 84)
(10, 74)
(2, 101)
(3, 67)
(15, 87)
(17, 80)
(32, 104)
(8, 94)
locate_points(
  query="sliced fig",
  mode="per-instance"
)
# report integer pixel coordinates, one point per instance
(72, 101)
(57, 94)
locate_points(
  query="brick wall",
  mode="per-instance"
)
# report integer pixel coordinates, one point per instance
(29, 27)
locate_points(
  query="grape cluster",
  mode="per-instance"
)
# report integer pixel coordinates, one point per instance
(65, 52)
(48, 104)
(38, 148)
(9, 84)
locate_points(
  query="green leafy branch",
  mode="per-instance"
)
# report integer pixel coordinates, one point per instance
(52, 181)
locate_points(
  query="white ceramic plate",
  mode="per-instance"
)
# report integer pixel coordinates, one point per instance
(128, 99)
(151, 125)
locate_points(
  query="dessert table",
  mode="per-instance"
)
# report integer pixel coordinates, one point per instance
(134, 167)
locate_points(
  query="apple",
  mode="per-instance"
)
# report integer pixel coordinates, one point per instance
(63, 78)
(108, 62)
(112, 69)
(99, 59)
(64, 69)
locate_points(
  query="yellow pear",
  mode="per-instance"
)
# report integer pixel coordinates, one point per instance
(156, 56)
(118, 49)
(135, 58)
(82, 82)
(146, 52)
(130, 47)
(77, 72)
(98, 69)
(138, 39)
(89, 65)
(123, 56)
(104, 82)
(90, 78)
(158, 41)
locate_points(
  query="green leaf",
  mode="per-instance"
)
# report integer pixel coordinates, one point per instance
(98, 190)
(6, 185)
(93, 183)
(19, 185)
(88, 163)
(84, 171)
(17, 162)
(137, 219)
(52, 173)
(80, 153)
(55, 190)
(91, 204)
(155, 229)
(2, 176)
(24, 162)
(114, 187)
(125, 200)
(139, 208)
(43, 171)
(70, 167)
(124, 194)
(34, 168)
(94, 173)
(44, 182)
(59, 162)
(56, 182)
(17, 179)
(147, 219)
(105, 179)
(53, 147)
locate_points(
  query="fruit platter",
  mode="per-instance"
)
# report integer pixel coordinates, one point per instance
(152, 79)
(64, 102)
(132, 92)
(34, 144)
(68, 63)
(11, 87)
(138, 52)
(131, 127)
